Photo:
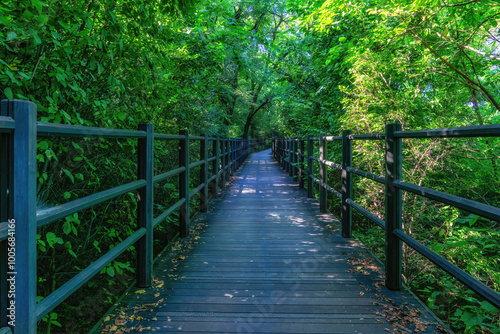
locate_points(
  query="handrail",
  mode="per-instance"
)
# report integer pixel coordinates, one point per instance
(287, 153)
(7, 124)
(19, 131)
(65, 130)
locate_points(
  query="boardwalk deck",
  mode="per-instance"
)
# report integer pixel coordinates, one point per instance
(269, 262)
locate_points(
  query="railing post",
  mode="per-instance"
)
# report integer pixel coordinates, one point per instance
(393, 207)
(285, 146)
(301, 163)
(285, 152)
(6, 206)
(215, 165)
(323, 197)
(294, 159)
(231, 157)
(346, 184)
(228, 159)
(23, 218)
(237, 147)
(145, 206)
(237, 155)
(282, 152)
(184, 183)
(204, 173)
(310, 189)
(287, 162)
(223, 160)
(291, 158)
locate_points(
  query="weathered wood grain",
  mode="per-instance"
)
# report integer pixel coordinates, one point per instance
(269, 262)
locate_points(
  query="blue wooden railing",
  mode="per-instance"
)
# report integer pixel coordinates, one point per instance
(19, 219)
(298, 160)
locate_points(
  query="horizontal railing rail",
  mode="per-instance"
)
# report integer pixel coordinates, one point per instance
(297, 159)
(18, 141)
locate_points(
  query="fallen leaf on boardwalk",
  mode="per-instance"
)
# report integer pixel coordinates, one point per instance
(140, 292)
(157, 295)
(154, 319)
(107, 319)
(361, 293)
(197, 238)
(160, 285)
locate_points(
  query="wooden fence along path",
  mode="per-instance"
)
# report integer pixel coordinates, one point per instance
(269, 262)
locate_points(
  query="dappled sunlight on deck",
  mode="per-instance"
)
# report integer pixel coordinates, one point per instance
(268, 262)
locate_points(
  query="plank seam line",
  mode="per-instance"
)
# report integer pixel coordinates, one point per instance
(270, 315)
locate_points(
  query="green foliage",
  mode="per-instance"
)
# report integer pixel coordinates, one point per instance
(426, 64)
(245, 69)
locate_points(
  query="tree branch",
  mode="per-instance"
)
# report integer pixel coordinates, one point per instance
(461, 4)
(483, 90)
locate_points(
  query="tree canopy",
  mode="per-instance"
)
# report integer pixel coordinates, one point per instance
(256, 67)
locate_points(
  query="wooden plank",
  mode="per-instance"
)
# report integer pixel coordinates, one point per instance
(145, 163)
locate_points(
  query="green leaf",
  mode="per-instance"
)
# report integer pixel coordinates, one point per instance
(67, 227)
(110, 271)
(43, 19)
(488, 307)
(121, 116)
(38, 5)
(8, 93)
(52, 239)
(68, 173)
(43, 145)
(96, 245)
(471, 319)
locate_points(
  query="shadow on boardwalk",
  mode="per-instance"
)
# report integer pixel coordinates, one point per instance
(267, 261)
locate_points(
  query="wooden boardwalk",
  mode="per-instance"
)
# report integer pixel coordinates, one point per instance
(267, 261)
